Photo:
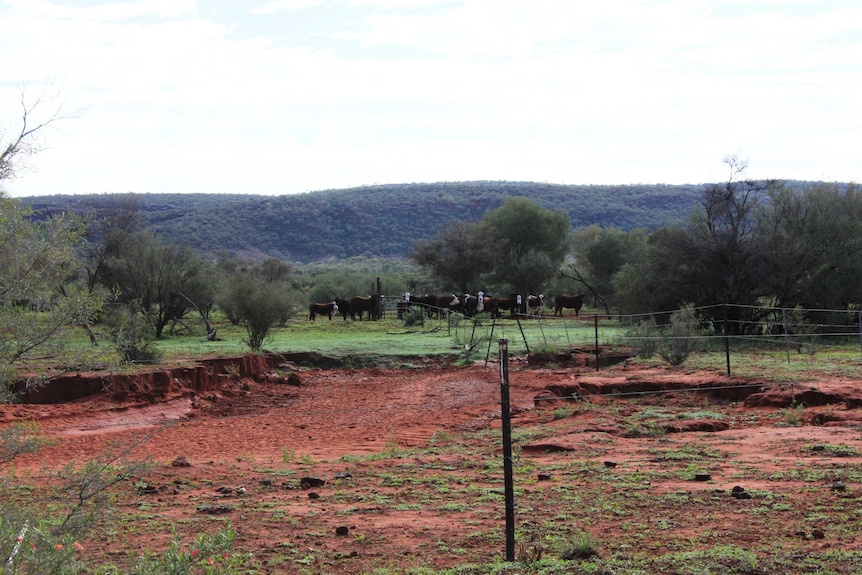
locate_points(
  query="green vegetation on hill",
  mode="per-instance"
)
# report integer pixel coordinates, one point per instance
(381, 220)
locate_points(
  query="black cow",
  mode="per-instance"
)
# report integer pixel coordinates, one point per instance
(513, 303)
(326, 309)
(343, 307)
(575, 301)
(473, 305)
(368, 304)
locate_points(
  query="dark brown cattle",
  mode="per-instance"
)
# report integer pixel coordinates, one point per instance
(368, 304)
(326, 309)
(575, 302)
(448, 302)
(343, 307)
(427, 301)
(514, 304)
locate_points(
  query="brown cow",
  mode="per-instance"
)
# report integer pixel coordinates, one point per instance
(427, 301)
(575, 301)
(369, 304)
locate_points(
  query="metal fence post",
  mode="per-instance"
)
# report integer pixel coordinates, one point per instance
(507, 450)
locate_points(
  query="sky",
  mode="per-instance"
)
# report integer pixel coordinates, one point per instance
(289, 96)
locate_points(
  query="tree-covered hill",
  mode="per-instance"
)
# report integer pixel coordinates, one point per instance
(381, 220)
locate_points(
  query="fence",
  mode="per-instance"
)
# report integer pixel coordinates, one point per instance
(673, 336)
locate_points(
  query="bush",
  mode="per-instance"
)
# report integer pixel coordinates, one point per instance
(681, 340)
(645, 338)
(415, 316)
(132, 335)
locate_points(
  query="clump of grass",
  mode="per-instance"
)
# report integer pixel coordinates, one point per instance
(792, 415)
(580, 546)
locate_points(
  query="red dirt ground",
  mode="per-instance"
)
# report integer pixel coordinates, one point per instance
(263, 432)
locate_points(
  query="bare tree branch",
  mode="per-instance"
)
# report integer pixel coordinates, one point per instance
(26, 141)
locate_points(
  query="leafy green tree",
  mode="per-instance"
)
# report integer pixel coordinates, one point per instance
(459, 256)
(529, 243)
(37, 305)
(167, 281)
(598, 255)
(813, 245)
(258, 305)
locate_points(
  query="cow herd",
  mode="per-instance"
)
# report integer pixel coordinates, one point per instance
(466, 304)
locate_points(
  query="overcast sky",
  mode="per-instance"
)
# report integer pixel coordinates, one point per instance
(289, 96)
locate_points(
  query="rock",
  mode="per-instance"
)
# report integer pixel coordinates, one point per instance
(180, 461)
(342, 531)
(309, 482)
(739, 493)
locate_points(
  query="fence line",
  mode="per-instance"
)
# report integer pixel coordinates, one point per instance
(737, 330)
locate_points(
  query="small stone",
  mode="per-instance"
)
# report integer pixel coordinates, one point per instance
(180, 461)
(309, 482)
(544, 477)
(818, 534)
(313, 495)
(610, 464)
(342, 531)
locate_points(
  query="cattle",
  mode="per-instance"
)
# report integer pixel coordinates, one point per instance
(471, 305)
(343, 307)
(514, 304)
(489, 304)
(535, 304)
(427, 301)
(575, 301)
(448, 302)
(326, 309)
(368, 304)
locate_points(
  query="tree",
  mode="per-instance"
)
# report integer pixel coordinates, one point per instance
(813, 243)
(258, 305)
(166, 281)
(458, 256)
(529, 243)
(26, 141)
(36, 303)
(598, 255)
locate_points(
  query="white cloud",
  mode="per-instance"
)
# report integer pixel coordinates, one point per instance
(299, 95)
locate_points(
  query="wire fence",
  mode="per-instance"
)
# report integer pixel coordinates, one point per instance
(737, 332)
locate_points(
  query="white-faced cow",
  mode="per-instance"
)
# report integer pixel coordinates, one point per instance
(535, 304)
(326, 309)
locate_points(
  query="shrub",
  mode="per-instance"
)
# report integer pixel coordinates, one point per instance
(132, 335)
(678, 344)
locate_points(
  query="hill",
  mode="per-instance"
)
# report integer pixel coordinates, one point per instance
(381, 220)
